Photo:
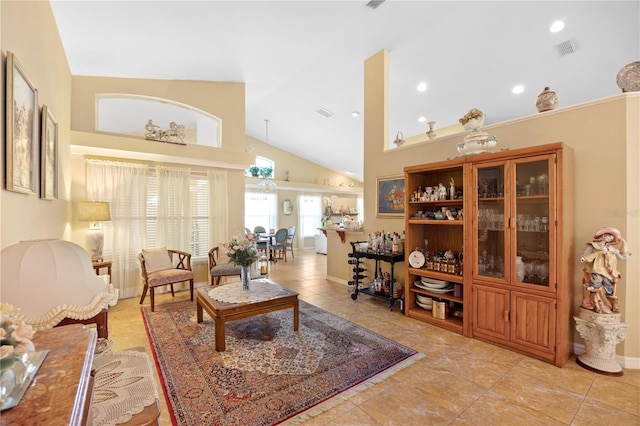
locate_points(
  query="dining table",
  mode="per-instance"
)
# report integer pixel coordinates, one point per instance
(267, 237)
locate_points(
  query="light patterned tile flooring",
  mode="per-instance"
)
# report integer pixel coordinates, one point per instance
(459, 380)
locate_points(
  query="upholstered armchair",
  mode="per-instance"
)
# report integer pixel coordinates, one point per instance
(164, 267)
(219, 265)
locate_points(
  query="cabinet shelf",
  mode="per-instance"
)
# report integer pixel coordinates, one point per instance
(533, 198)
(445, 296)
(437, 275)
(441, 222)
(451, 323)
(457, 201)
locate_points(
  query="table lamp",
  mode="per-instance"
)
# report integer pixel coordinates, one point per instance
(94, 212)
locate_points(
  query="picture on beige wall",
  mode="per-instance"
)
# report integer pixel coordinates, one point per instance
(48, 156)
(21, 129)
(390, 197)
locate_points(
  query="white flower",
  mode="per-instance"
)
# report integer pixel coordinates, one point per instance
(23, 333)
(15, 335)
(6, 351)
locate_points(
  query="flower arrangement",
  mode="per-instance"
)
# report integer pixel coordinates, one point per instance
(473, 114)
(15, 336)
(241, 251)
(394, 198)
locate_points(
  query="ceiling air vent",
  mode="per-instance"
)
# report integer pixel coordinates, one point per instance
(374, 3)
(567, 47)
(324, 112)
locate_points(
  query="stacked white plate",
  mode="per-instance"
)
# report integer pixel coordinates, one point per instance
(433, 283)
(435, 288)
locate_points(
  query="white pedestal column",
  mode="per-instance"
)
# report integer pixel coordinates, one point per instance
(601, 333)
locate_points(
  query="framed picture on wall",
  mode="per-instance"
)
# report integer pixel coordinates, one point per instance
(390, 196)
(21, 130)
(48, 156)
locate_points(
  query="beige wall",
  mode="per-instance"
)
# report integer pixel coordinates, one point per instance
(29, 31)
(224, 100)
(604, 135)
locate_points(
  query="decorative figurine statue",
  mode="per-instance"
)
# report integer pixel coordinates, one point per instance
(600, 270)
(452, 189)
(442, 192)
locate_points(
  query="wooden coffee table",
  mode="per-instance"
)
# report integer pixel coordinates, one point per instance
(221, 312)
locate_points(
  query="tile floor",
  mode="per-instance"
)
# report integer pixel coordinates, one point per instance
(459, 380)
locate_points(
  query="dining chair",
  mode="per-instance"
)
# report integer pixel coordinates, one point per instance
(291, 236)
(260, 245)
(158, 268)
(280, 244)
(219, 265)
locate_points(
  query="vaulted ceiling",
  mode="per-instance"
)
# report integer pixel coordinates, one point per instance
(298, 57)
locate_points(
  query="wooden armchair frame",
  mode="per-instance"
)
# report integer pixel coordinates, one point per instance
(181, 273)
(221, 269)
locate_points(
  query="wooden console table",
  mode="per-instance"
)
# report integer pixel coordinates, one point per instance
(101, 320)
(60, 394)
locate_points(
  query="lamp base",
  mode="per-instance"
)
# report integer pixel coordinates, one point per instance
(95, 242)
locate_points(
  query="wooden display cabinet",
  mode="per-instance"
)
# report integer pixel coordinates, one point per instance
(435, 236)
(514, 243)
(520, 242)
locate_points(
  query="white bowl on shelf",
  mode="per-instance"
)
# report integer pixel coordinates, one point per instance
(425, 300)
(426, 307)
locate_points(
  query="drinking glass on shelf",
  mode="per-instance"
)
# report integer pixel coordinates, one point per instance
(542, 271)
(529, 271)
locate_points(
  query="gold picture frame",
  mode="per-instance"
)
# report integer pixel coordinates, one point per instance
(390, 196)
(21, 130)
(48, 156)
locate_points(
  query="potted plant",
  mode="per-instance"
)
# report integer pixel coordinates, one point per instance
(265, 172)
(254, 170)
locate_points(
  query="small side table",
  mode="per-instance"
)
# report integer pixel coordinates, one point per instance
(103, 264)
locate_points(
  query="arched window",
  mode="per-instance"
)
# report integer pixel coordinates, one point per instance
(262, 162)
(129, 114)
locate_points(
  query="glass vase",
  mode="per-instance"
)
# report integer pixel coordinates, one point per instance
(245, 277)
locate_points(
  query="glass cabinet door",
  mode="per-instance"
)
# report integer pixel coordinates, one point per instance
(490, 242)
(533, 222)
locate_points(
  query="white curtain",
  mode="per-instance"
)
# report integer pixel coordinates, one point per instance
(174, 208)
(124, 186)
(218, 207)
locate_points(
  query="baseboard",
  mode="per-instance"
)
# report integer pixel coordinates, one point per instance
(624, 361)
(336, 280)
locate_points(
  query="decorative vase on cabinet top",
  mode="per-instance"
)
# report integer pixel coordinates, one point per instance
(628, 78)
(547, 100)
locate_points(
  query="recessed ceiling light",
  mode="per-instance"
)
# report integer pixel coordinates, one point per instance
(517, 89)
(422, 119)
(556, 27)
(422, 87)
(355, 114)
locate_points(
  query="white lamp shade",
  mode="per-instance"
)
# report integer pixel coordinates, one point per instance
(49, 280)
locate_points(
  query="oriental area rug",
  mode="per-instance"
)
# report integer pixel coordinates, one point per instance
(268, 373)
